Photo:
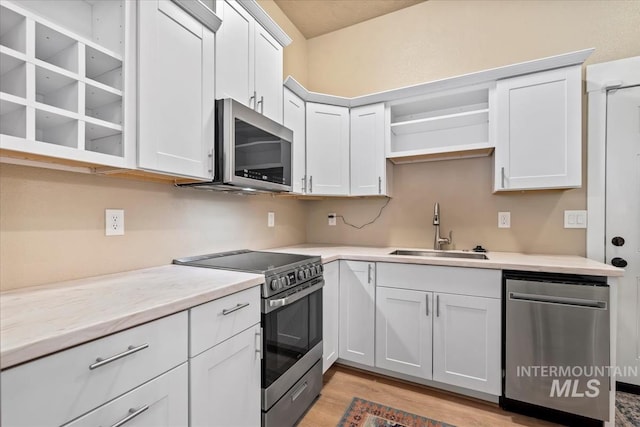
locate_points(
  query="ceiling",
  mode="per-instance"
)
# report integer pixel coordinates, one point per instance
(316, 17)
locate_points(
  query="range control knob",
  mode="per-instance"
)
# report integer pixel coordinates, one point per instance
(300, 274)
(307, 273)
(275, 284)
(314, 270)
(320, 268)
(283, 282)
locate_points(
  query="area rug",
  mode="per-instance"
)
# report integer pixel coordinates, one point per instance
(363, 413)
(627, 409)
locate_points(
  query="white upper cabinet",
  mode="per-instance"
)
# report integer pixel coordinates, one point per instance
(176, 91)
(538, 131)
(67, 81)
(294, 116)
(368, 164)
(327, 149)
(249, 61)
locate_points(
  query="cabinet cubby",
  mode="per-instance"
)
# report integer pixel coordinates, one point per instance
(103, 104)
(56, 48)
(13, 119)
(103, 68)
(13, 32)
(103, 139)
(56, 129)
(13, 75)
(56, 90)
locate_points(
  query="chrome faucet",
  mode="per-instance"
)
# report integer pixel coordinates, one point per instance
(439, 241)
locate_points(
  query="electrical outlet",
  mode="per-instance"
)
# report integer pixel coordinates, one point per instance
(504, 219)
(332, 219)
(271, 219)
(114, 222)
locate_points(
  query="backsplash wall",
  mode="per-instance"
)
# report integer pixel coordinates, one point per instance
(52, 224)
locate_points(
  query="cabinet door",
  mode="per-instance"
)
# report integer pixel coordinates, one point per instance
(538, 131)
(176, 91)
(327, 149)
(403, 331)
(225, 383)
(268, 74)
(162, 402)
(367, 150)
(357, 311)
(234, 53)
(294, 119)
(330, 314)
(466, 342)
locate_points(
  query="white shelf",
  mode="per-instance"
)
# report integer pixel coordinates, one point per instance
(13, 75)
(102, 139)
(103, 104)
(12, 30)
(56, 129)
(103, 68)
(13, 119)
(56, 48)
(56, 90)
(430, 124)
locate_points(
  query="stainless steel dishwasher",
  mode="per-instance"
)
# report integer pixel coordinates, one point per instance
(556, 343)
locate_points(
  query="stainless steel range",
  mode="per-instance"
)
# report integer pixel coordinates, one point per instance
(291, 323)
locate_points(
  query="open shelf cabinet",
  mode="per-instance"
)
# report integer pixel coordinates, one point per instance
(452, 124)
(63, 78)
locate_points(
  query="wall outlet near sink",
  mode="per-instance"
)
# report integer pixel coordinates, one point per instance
(114, 222)
(504, 219)
(332, 219)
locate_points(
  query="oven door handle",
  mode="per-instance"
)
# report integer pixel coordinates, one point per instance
(281, 302)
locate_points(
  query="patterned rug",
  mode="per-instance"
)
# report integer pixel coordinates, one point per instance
(627, 409)
(363, 413)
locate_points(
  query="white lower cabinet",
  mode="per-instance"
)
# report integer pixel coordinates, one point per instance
(357, 311)
(466, 342)
(403, 331)
(330, 314)
(162, 402)
(225, 383)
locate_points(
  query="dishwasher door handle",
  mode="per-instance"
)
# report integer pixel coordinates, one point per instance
(576, 302)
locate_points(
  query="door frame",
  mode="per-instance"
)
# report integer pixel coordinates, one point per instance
(600, 79)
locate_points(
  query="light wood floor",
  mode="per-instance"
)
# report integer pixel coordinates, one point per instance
(341, 384)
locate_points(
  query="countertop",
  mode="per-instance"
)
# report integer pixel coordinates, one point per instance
(567, 264)
(44, 319)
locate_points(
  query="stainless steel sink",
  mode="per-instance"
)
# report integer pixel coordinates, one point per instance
(444, 254)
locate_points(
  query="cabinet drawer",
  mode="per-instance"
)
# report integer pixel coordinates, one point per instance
(162, 402)
(57, 388)
(453, 280)
(218, 320)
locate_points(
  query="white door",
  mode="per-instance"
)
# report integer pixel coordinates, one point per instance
(225, 383)
(330, 314)
(268, 74)
(161, 402)
(327, 149)
(367, 150)
(234, 53)
(357, 311)
(623, 218)
(467, 342)
(176, 91)
(538, 131)
(404, 331)
(294, 117)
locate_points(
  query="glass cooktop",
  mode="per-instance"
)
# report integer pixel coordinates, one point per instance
(245, 260)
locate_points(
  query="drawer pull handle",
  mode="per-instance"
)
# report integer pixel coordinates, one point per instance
(236, 308)
(101, 362)
(132, 414)
(296, 394)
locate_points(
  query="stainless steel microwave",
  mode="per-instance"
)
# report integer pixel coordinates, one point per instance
(251, 152)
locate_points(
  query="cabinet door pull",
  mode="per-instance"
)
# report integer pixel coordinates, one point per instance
(259, 343)
(210, 156)
(437, 305)
(311, 184)
(261, 104)
(236, 308)
(304, 186)
(379, 185)
(253, 98)
(427, 295)
(502, 175)
(130, 350)
(132, 414)
(369, 273)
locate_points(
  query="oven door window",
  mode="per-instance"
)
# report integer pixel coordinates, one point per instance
(261, 155)
(289, 333)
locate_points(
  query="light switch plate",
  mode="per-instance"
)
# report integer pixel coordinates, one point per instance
(575, 219)
(114, 222)
(504, 219)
